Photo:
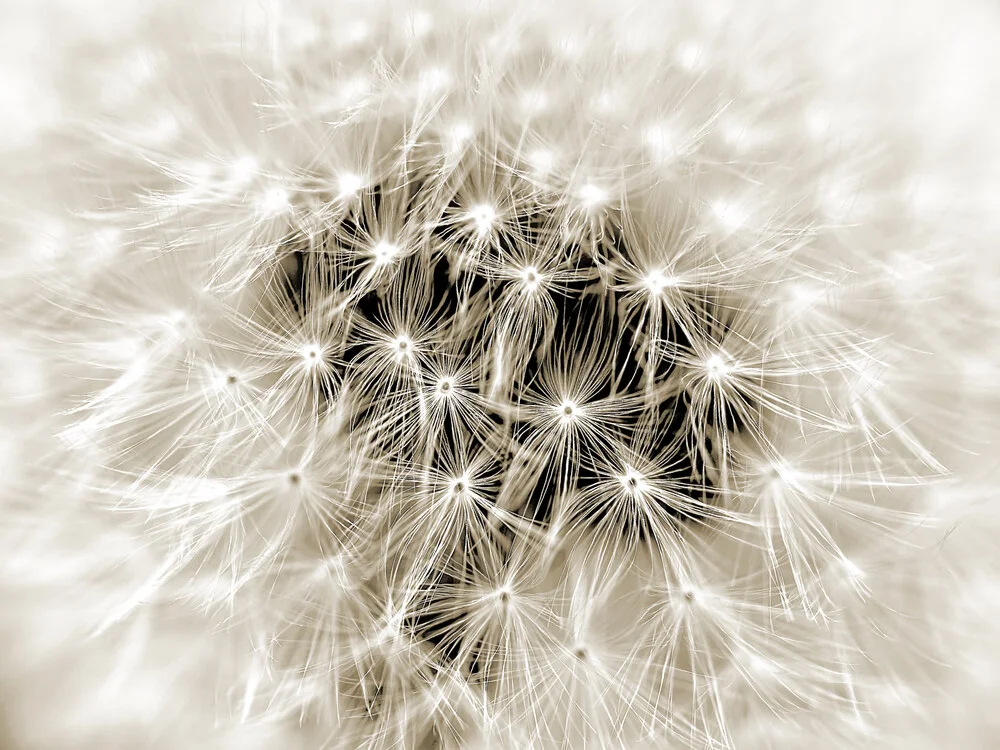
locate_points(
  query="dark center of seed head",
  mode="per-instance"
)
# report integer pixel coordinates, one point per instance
(585, 313)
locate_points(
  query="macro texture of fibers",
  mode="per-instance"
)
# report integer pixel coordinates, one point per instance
(499, 375)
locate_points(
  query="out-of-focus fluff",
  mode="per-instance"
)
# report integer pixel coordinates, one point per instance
(476, 375)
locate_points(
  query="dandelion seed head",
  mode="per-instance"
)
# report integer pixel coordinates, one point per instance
(774, 471)
(459, 486)
(402, 347)
(910, 274)
(633, 482)
(759, 666)
(531, 279)
(226, 380)
(385, 253)
(484, 217)
(568, 411)
(636, 39)
(302, 34)
(312, 356)
(199, 174)
(275, 201)
(348, 185)
(445, 387)
(503, 597)
(656, 281)
(690, 596)
(591, 196)
(175, 324)
(979, 370)
(717, 367)
(471, 383)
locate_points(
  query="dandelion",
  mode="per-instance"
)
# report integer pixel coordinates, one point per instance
(474, 375)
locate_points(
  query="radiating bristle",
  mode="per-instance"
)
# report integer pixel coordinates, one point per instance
(491, 375)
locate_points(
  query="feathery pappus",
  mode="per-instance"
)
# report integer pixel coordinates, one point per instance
(484, 375)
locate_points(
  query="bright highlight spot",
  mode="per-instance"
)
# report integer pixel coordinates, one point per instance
(661, 142)
(50, 240)
(243, 169)
(657, 281)
(206, 491)
(851, 569)
(356, 32)
(445, 387)
(543, 160)
(730, 215)
(530, 278)
(459, 485)
(483, 216)
(459, 135)
(568, 411)
(349, 184)
(353, 91)
(569, 46)
(312, 355)
(534, 100)
(385, 253)
(275, 202)
(434, 80)
(716, 367)
(591, 195)
(419, 24)
(632, 481)
(607, 101)
(403, 346)
(691, 56)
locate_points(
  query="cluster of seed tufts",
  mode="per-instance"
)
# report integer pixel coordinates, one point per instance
(499, 382)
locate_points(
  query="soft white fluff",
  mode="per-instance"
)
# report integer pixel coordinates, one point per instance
(302, 448)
